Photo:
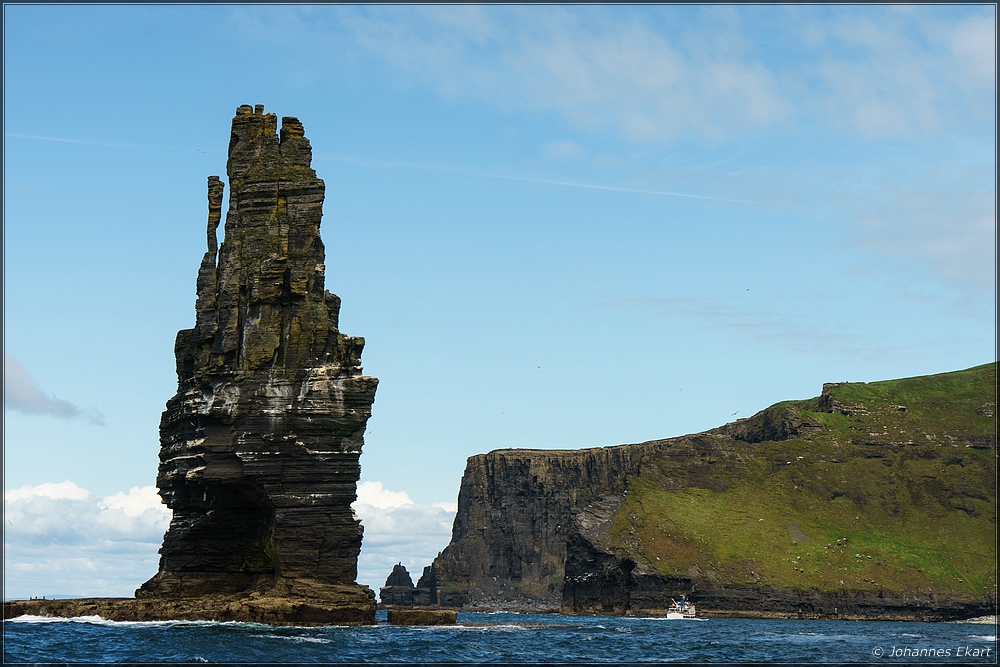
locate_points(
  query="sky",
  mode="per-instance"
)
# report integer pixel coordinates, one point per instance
(555, 227)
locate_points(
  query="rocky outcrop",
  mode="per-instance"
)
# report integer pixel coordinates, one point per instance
(260, 446)
(398, 589)
(775, 423)
(276, 605)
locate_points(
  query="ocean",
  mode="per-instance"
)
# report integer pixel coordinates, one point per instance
(501, 637)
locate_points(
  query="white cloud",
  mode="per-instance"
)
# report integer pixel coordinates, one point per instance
(596, 68)
(398, 531)
(136, 502)
(903, 74)
(372, 493)
(61, 540)
(64, 512)
(560, 150)
(945, 221)
(65, 490)
(974, 44)
(22, 393)
(655, 74)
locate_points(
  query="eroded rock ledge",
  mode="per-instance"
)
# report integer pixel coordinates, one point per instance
(309, 606)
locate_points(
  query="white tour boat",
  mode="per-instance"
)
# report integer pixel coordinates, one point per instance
(680, 610)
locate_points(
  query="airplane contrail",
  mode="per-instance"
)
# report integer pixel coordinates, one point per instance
(391, 164)
(87, 142)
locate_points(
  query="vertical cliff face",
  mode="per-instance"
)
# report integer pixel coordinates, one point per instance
(515, 512)
(259, 447)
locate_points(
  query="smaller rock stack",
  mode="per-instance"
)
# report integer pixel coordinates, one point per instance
(400, 592)
(425, 594)
(398, 589)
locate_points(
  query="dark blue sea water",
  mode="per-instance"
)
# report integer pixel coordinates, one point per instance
(502, 637)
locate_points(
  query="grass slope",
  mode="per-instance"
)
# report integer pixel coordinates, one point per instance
(898, 494)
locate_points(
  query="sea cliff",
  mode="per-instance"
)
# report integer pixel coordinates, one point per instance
(870, 501)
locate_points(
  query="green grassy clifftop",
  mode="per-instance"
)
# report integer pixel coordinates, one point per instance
(886, 486)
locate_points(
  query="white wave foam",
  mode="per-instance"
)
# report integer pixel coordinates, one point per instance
(296, 638)
(31, 618)
(498, 627)
(98, 620)
(979, 620)
(504, 627)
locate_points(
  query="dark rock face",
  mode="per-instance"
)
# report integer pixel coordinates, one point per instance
(399, 577)
(398, 589)
(515, 510)
(260, 445)
(773, 424)
(596, 580)
(425, 593)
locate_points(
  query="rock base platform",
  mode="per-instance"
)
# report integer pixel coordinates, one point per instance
(353, 606)
(422, 617)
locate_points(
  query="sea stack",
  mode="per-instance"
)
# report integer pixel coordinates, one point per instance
(260, 446)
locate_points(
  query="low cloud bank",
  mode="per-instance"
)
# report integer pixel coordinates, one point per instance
(22, 393)
(61, 540)
(399, 530)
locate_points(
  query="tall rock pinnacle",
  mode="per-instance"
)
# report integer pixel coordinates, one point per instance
(259, 448)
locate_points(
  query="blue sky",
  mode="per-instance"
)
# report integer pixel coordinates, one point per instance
(556, 227)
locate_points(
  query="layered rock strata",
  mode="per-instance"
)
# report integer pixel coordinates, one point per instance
(752, 518)
(515, 515)
(260, 446)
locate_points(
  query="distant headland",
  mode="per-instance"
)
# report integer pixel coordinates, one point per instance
(870, 501)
